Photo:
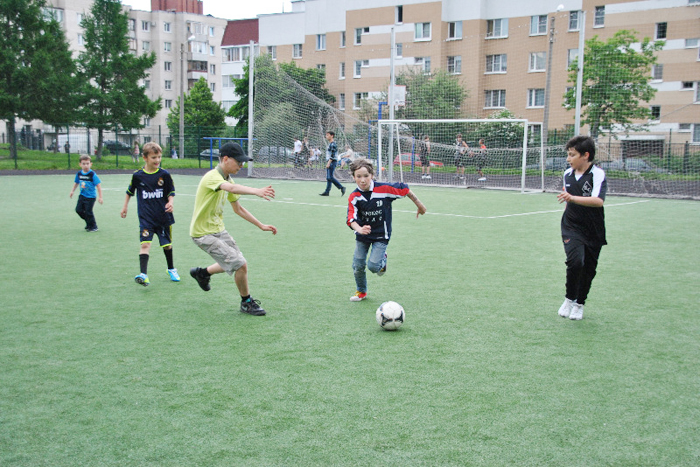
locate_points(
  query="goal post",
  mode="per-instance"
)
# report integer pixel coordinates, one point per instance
(491, 153)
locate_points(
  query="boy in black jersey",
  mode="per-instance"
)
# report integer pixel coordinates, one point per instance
(369, 215)
(583, 222)
(156, 191)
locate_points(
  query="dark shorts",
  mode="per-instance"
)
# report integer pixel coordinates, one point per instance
(164, 233)
(424, 160)
(459, 161)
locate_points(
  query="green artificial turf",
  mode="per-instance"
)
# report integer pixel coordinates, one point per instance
(97, 370)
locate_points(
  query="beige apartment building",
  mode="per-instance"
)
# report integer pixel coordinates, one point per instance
(498, 48)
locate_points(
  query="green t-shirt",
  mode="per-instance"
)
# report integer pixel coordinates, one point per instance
(209, 202)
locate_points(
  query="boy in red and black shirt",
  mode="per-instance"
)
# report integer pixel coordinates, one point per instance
(369, 215)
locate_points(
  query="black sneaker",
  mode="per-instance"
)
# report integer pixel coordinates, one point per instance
(252, 307)
(201, 280)
(342, 191)
(324, 194)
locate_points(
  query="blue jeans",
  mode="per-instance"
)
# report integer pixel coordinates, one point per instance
(376, 261)
(330, 179)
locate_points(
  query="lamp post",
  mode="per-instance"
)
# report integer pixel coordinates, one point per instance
(183, 77)
(548, 79)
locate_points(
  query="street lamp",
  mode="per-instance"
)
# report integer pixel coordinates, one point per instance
(183, 77)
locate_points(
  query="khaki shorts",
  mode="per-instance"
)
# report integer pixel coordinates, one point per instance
(223, 249)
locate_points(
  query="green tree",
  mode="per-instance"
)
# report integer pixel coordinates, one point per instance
(37, 72)
(113, 96)
(430, 96)
(616, 76)
(201, 114)
(278, 82)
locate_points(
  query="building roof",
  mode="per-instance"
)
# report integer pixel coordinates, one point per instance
(240, 32)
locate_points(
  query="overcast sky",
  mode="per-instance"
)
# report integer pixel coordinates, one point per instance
(229, 9)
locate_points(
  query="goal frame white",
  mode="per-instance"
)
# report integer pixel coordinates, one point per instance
(397, 122)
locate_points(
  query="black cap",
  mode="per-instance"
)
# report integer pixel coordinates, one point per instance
(234, 150)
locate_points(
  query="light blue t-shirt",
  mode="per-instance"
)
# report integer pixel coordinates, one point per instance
(87, 181)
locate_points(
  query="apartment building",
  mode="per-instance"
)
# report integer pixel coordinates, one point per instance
(498, 48)
(235, 50)
(187, 45)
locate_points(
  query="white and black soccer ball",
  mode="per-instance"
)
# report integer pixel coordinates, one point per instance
(390, 316)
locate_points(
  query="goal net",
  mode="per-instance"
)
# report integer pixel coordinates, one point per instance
(487, 153)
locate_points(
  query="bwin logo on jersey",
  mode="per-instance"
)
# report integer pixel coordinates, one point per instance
(152, 194)
(587, 189)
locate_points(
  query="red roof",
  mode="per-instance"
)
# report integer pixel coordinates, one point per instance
(240, 32)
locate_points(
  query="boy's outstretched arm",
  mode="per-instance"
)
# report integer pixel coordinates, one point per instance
(266, 193)
(421, 207)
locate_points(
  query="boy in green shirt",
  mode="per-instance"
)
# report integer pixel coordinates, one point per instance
(207, 228)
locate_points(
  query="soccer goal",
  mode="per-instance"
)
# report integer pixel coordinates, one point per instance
(489, 153)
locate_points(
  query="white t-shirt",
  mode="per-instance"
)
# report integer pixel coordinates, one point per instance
(297, 146)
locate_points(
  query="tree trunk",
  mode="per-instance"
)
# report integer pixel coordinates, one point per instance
(12, 138)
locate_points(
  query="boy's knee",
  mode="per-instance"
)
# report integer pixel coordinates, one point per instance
(358, 266)
(374, 267)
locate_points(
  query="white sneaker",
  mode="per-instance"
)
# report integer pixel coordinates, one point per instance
(565, 308)
(427, 176)
(422, 176)
(576, 311)
(482, 179)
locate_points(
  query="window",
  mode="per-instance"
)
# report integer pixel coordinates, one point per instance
(79, 18)
(537, 61)
(198, 47)
(342, 70)
(212, 69)
(496, 63)
(145, 25)
(655, 112)
(342, 38)
(320, 66)
(573, 55)
(661, 30)
(398, 14)
(358, 34)
(212, 86)
(687, 85)
(53, 13)
(454, 64)
(195, 28)
(495, 98)
(357, 99)
(696, 133)
(422, 32)
(535, 97)
(166, 27)
(657, 72)
(399, 49)
(599, 18)
(145, 46)
(211, 31)
(538, 25)
(341, 101)
(132, 44)
(497, 28)
(168, 66)
(227, 81)
(685, 127)
(697, 92)
(320, 42)
(297, 51)
(227, 105)
(168, 103)
(424, 62)
(81, 40)
(272, 51)
(167, 46)
(168, 85)
(690, 43)
(358, 69)
(146, 122)
(132, 24)
(147, 84)
(574, 19)
(454, 30)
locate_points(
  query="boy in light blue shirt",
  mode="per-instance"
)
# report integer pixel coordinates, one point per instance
(90, 186)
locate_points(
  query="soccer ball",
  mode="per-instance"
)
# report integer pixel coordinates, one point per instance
(390, 316)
